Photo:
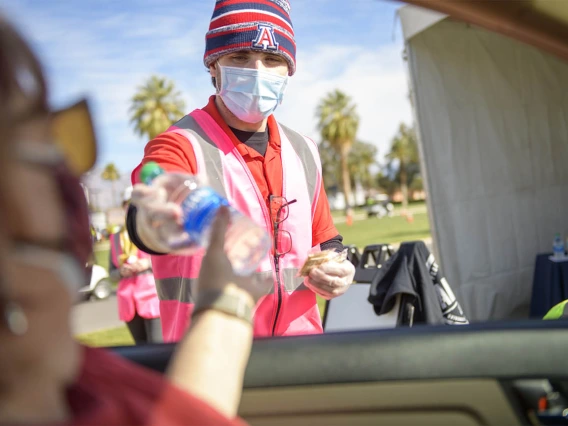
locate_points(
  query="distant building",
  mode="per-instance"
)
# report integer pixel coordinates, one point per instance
(336, 198)
(99, 192)
(412, 196)
(116, 216)
(98, 220)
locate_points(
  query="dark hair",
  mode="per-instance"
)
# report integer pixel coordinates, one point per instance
(213, 79)
(23, 92)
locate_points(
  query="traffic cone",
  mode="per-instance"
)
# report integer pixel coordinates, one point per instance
(349, 218)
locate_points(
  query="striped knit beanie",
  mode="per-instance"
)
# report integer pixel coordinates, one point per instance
(262, 25)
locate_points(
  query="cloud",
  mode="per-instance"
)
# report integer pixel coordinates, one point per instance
(376, 80)
(108, 57)
(107, 52)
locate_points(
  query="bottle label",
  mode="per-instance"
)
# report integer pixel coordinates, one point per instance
(200, 208)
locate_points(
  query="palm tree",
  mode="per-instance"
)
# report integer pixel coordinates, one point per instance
(338, 123)
(330, 165)
(404, 149)
(155, 106)
(111, 174)
(361, 157)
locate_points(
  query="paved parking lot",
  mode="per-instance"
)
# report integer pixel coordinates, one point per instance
(96, 315)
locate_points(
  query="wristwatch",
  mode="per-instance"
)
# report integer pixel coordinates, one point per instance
(234, 304)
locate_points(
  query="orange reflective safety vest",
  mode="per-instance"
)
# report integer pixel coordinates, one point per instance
(135, 294)
(289, 308)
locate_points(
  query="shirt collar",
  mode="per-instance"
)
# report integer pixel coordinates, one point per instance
(273, 133)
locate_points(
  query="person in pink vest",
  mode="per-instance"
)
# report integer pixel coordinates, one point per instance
(138, 302)
(266, 170)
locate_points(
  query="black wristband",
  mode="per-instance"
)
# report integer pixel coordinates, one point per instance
(133, 234)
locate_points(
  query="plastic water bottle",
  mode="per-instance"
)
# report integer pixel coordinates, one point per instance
(558, 247)
(246, 243)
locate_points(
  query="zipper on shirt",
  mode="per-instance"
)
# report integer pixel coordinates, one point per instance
(277, 267)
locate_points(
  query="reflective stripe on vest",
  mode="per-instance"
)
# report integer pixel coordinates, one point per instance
(311, 168)
(210, 155)
(116, 249)
(179, 288)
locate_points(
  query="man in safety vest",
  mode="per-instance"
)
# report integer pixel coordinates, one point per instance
(138, 303)
(261, 166)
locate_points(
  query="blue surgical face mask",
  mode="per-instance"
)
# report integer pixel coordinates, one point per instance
(250, 94)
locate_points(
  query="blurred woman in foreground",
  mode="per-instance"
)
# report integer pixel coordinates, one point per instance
(45, 375)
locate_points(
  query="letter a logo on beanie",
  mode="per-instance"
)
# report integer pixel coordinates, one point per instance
(265, 38)
(261, 25)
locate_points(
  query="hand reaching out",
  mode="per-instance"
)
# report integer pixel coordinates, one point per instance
(330, 279)
(216, 271)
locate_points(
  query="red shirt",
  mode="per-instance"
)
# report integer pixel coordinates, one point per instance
(114, 391)
(173, 153)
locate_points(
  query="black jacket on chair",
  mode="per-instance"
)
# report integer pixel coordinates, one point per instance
(413, 272)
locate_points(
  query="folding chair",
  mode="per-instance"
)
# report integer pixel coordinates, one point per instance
(373, 257)
(353, 255)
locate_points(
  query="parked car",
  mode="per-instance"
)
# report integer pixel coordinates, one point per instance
(100, 285)
(380, 207)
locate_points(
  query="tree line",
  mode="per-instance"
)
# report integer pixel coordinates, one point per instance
(346, 160)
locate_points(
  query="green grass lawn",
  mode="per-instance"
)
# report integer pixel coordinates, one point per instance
(386, 230)
(362, 210)
(361, 233)
(102, 256)
(336, 214)
(119, 336)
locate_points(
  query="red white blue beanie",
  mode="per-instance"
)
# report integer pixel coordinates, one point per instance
(261, 25)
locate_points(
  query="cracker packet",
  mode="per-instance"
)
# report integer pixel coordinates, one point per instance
(319, 258)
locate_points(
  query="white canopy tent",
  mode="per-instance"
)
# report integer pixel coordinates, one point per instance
(492, 119)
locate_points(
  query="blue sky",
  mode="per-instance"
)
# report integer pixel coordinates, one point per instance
(104, 49)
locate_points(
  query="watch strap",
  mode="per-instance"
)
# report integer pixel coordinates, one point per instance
(234, 304)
